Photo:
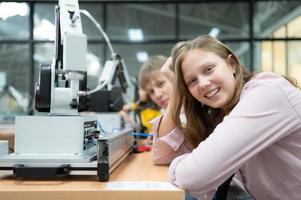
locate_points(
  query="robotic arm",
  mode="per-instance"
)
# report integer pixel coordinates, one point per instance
(63, 85)
(58, 93)
(59, 84)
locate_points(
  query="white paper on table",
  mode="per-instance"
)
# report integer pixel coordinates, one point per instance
(140, 185)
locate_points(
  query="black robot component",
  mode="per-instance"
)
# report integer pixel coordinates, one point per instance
(43, 89)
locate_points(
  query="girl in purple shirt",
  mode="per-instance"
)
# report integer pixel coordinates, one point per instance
(237, 122)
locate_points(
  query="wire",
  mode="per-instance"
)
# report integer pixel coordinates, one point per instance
(105, 36)
(113, 55)
(142, 134)
(134, 134)
(99, 87)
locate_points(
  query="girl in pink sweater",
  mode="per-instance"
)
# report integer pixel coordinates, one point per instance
(237, 122)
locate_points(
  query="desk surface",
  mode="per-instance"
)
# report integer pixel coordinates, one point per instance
(136, 167)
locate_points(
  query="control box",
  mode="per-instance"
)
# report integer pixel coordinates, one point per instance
(56, 135)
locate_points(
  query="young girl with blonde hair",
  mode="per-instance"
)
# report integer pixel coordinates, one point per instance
(238, 122)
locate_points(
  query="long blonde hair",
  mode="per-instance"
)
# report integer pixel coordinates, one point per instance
(201, 119)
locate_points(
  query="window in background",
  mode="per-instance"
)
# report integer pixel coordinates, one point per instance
(43, 54)
(131, 57)
(294, 60)
(279, 57)
(270, 15)
(44, 21)
(280, 33)
(14, 20)
(122, 18)
(232, 19)
(282, 56)
(273, 57)
(15, 63)
(241, 49)
(153, 23)
(294, 27)
(266, 56)
(89, 28)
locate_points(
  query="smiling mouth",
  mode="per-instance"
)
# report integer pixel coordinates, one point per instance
(212, 93)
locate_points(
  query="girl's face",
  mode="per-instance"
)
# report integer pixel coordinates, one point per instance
(159, 89)
(209, 78)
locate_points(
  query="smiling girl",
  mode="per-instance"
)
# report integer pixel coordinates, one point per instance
(238, 122)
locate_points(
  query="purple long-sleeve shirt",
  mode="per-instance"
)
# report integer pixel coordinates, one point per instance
(260, 140)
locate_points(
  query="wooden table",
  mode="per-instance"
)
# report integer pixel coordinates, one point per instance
(135, 168)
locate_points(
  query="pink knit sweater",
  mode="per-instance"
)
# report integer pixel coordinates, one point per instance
(260, 140)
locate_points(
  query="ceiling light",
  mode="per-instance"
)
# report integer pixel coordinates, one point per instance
(135, 34)
(142, 56)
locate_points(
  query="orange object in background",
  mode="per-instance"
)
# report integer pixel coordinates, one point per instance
(7, 132)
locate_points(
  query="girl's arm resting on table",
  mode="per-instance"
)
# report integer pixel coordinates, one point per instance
(262, 117)
(171, 145)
